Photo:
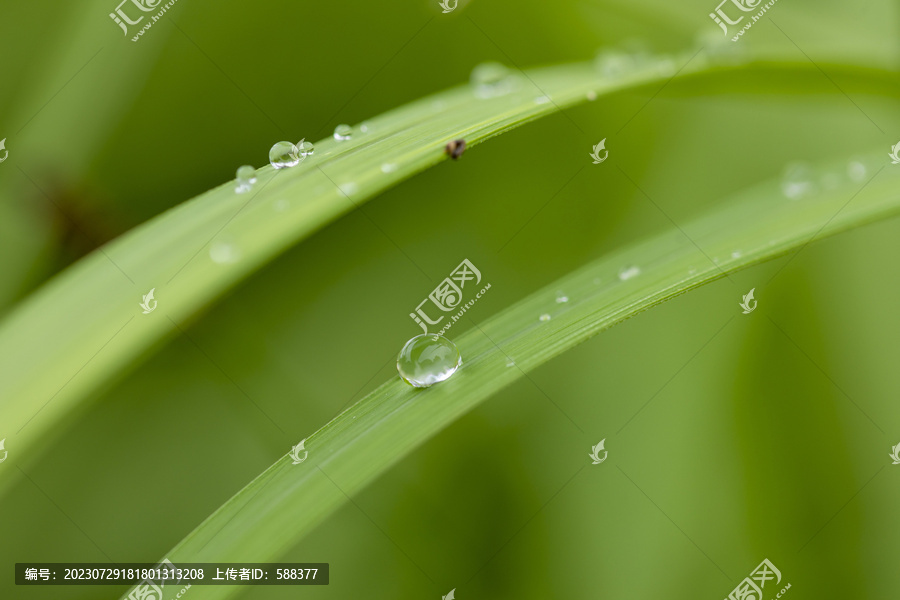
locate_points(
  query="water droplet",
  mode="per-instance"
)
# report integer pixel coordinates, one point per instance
(542, 100)
(718, 49)
(629, 272)
(857, 171)
(388, 167)
(736, 254)
(349, 188)
(666, 66)
(428, 359)
(544, 317)
(284, 154)
(510, 363)
(365, 126)
(305, 148)
(491, 79)
(798, 181)
(561, 298)
(246, 177)
(614, 64)
(224, 253)
(591, 95)
(281, 205)
(343, 132)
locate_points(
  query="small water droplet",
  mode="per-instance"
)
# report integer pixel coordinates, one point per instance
(629, 272)
(510, 363)
(736, 254)
(388, 167)
(857, 171)
(428, 359)
(343, 132)
(614, 64)
(491, 79)
(349, 188)
(281, 205)
(666, 66)
(798, 181)
(561, 298)
(591, 95)
(224, 253)
(284, 154)
(544, 317)
(305, 148)
(246, 177)
(542, 100)
(718, 49)
(365, 127)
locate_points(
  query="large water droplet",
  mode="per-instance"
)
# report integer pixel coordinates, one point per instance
(246, 177)
(284, 154)
(343, 132)
(428, 359)
(491, 79)
(629, 272)
(798, 181)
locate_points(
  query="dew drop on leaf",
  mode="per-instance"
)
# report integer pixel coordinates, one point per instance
(428, 359)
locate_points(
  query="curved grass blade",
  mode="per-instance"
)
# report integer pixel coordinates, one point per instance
(286, 501)
(88, 324)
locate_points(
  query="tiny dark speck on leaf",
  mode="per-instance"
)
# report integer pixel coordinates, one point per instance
(455, 148)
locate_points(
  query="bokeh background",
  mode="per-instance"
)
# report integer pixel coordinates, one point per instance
(730, 439)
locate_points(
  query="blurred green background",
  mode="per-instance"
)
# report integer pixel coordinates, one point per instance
(731, 438)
